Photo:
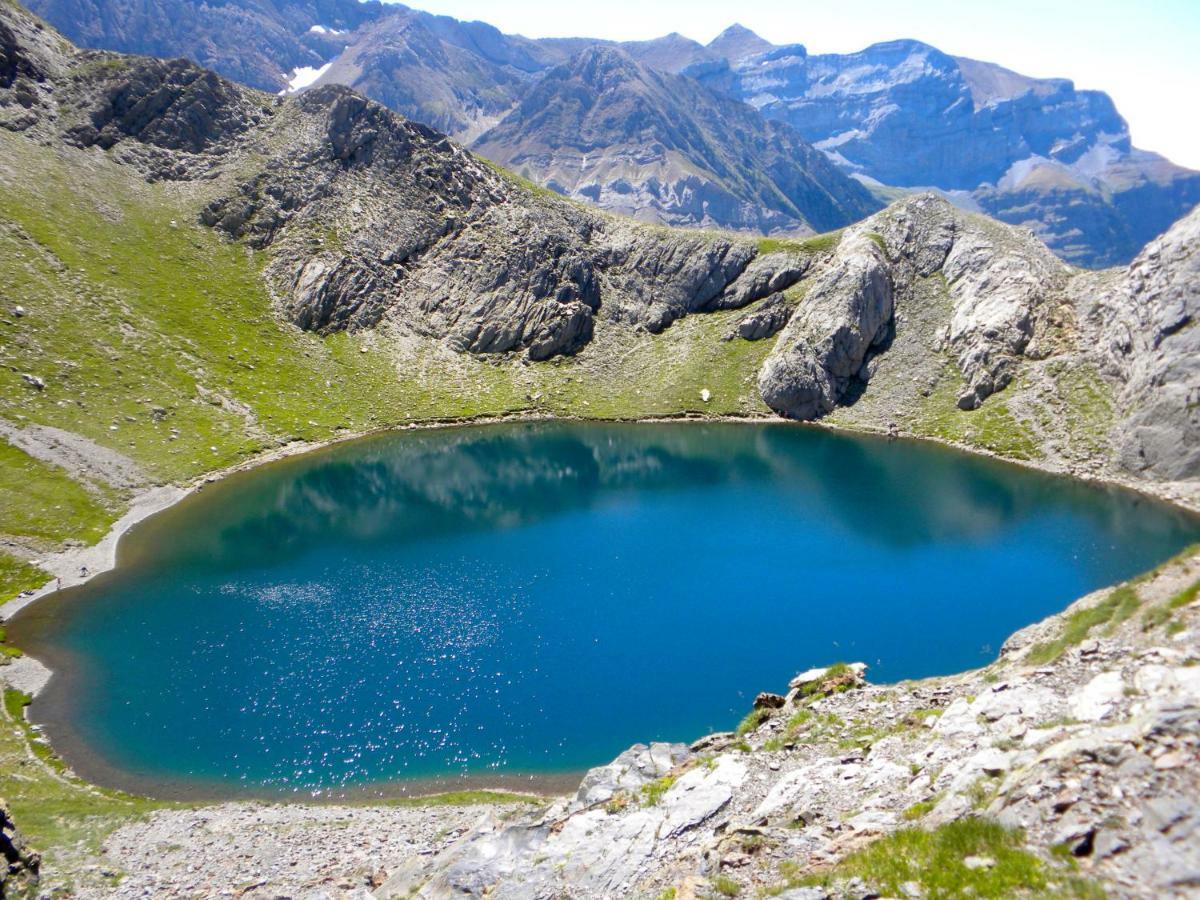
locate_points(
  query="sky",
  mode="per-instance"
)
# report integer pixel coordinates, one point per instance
(1146, 55)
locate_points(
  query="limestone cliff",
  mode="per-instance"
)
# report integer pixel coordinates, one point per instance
(1009, 318)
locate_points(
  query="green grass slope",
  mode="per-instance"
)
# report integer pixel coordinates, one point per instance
(155, 337)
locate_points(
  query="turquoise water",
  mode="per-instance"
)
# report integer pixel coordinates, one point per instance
(534, 598)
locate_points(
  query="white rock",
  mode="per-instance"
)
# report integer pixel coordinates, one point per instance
(800, 786)
(958, 719)
(699, 794)
(979, 862)
(1096, 699)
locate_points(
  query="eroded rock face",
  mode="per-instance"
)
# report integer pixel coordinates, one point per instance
(845, 314)
(1154, 341)
(765, 321)
(659, 281)
(173, 105)
(768, 273)
(999, 281)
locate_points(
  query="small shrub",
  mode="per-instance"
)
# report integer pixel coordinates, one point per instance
(618, 802)
(726, 886)
(919, 810)
(755, 718)
(981, 792)
(653, 792)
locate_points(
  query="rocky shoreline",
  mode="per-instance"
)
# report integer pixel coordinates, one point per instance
(1076, 755)
(415, 856)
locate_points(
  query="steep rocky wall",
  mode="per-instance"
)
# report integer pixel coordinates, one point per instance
(1153, 341)
(20, 862)
(1014, 312)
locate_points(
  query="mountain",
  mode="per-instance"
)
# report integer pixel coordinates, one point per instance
(193, 272)
(458, 77)
(256, 42)
(127, 181)
(659, 147)
(1033, 152)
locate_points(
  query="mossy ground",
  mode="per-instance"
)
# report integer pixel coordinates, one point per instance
(1119, 604)
(16, 576)
(820, 243)
(992, 427)
(44, 504)
(935, 863)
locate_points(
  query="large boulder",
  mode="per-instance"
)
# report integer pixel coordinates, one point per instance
(845, 314)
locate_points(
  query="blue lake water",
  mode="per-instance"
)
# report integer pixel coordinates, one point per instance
(533, 598)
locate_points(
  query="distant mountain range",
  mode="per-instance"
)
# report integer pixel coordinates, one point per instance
(720, 135)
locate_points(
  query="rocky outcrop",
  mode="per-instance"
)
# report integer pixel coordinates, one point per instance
(1154, 344)
(171, 105)
(999, 282)
(768, 273)
(1088, 746)
(846, 314)
(765, 321)
(19, 875)
(1000, 309)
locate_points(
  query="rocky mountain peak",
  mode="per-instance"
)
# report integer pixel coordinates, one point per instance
(737, 42)
(670, 53)
(603, 66)
(608, 129)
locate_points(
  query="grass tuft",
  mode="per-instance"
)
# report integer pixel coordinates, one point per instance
(1163, 613)
(934, 861)
(652, 793)
(726, 886)
(1119, 605)
(753, 719)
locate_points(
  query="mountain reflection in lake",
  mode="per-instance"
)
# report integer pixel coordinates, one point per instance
(533, 598)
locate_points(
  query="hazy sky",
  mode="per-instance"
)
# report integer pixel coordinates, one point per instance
(1145, 54)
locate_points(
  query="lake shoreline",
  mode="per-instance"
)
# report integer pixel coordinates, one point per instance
(65, 566)
(102, 557)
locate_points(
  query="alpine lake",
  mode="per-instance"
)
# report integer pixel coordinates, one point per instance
(509, 604)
